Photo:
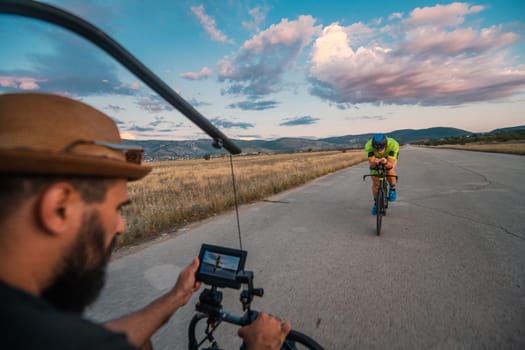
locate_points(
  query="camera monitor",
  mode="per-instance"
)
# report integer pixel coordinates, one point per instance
(219, 266)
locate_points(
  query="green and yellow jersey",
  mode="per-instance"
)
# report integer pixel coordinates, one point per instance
(391, 149)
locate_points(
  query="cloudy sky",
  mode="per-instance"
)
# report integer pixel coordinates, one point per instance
(276, 68)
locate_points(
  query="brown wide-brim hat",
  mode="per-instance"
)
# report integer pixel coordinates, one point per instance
(45, 134)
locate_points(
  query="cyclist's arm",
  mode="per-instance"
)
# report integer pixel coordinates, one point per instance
(391, 158)
(373, 160)
(370, 154)
(393, 151)
(390, 162)
(142, 324)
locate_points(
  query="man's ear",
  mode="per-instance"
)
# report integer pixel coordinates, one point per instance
(57, 207)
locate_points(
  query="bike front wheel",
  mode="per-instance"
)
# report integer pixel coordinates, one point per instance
(385, 196)
(297, 341)
(294, 341)
(380, 209)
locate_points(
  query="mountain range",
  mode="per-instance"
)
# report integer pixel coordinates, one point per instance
(165, 150)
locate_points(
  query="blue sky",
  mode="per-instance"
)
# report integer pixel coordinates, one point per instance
(269, 69)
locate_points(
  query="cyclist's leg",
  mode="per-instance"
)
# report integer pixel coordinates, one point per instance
(391, 171)
(375, 187)
(392, 194)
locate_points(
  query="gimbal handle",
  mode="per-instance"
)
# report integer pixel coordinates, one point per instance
(246, 277)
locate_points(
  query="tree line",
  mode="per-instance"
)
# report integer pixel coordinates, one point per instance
(477, 137)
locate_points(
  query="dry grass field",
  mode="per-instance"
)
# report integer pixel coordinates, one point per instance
(512, 147)
(179, 192)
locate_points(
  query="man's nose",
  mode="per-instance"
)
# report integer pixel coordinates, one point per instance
(121, 225)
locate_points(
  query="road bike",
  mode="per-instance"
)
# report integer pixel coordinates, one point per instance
(382, 194)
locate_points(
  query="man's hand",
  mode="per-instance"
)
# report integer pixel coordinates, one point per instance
(266, 332)
(186, 284)
(142, 324)
(373, 162)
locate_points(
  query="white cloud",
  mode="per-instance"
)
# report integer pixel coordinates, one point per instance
(427, 65)
(260, 63)
(259, 15)
(359, 32)
(154, 104)
(209, 25)
(395, 15)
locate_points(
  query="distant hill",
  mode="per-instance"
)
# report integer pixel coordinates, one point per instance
(409, 135)
(165, 150)
(494, 136)
(512, 129)
(169, 150)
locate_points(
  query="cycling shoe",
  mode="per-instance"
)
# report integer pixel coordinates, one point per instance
(374, 210)
(392, 195)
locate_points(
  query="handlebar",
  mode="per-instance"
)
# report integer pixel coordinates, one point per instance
(379, 175)
(292, 337)
(210, 308)
(249, 317)
(381, 172)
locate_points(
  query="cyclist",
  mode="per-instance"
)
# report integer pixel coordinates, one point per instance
(385, 150)
(63, 181)
(217, 262)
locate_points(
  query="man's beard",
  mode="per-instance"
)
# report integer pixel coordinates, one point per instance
(83, 272)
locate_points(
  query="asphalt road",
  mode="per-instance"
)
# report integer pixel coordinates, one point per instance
(448, 271)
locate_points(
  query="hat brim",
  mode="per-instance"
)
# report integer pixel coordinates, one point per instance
(44, 163)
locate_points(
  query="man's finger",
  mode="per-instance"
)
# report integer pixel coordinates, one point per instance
(286, 327)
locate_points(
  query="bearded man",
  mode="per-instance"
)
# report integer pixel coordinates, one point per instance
(63, 183)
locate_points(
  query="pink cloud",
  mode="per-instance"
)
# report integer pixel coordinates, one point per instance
(430, 66)
(22, 83)
(285, 33)
(204, 73)
(7, 82)
(358, 32)
(443, 15)
(426, 39)
(209, 25)
(135, 85)
(260, 63)
(259, 15)
(29, 85)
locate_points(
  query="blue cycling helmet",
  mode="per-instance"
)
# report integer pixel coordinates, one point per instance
(379, 141)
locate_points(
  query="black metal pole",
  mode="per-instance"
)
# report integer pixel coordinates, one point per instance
(76, 24)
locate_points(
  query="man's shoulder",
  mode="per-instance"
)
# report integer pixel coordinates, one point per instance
(27, 322)
(392, 142)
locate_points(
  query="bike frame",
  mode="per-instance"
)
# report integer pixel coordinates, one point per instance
(382, 194)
